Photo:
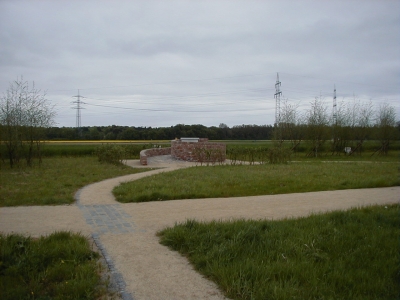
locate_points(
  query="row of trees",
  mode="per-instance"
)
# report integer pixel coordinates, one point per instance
(353, 123)
(25, 113)
(222, 132)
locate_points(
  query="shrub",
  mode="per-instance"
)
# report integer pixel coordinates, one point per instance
(204, 155)
(262, 154)
(279, 155)
(113, 154)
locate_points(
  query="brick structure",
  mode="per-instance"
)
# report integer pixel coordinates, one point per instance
(198, 150)
(144, 154)
(189, 149)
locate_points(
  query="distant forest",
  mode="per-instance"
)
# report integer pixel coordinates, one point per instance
(222, 132)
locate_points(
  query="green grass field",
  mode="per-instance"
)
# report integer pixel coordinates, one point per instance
(55, 181)
(87, 148)
(340, 255)
(243, 180)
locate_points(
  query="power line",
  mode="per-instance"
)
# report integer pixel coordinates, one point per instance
(198, 95)
(172, 110)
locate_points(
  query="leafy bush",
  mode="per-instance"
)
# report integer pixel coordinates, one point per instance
(110, 153)
(240, 154)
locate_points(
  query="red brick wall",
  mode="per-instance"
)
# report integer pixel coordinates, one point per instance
(202, 151)
(191, 151)
(144, 154)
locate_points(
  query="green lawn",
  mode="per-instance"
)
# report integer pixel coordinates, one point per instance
(243, 180)
(60, 266)
(56, 181)
(339, 255)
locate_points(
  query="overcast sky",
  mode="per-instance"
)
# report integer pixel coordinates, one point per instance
(162, 63)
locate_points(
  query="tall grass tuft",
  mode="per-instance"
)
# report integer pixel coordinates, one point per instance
(59, 266)
(341, 255)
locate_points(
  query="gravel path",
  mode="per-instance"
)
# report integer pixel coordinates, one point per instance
(126, 233)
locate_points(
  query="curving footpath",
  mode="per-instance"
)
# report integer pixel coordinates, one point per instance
(126, 233)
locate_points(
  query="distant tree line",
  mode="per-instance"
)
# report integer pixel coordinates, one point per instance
(314, 130)
(346, 130)
(222, 132)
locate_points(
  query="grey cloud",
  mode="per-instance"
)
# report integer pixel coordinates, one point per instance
(148, 50)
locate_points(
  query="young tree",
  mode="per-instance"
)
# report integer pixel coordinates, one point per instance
(362, 130)
(385, 127)
(317, 121)
(290, 125)
(339, 126)
(352, 126)
(24, 113)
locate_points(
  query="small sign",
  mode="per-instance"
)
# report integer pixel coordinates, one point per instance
(189, 140)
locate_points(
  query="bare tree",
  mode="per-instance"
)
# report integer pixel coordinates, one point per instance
(317, 130)
(339, 129)
(290, 125)
(10, 120)
(362, 130)
(352, 126)
(385, 127)
(24, 113)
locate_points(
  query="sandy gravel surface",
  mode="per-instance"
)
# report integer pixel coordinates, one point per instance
(150, 270)
(42, 220)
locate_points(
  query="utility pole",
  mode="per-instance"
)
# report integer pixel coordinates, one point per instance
(334, 111)
(78, 108)
(277, 97)
(335, 140)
